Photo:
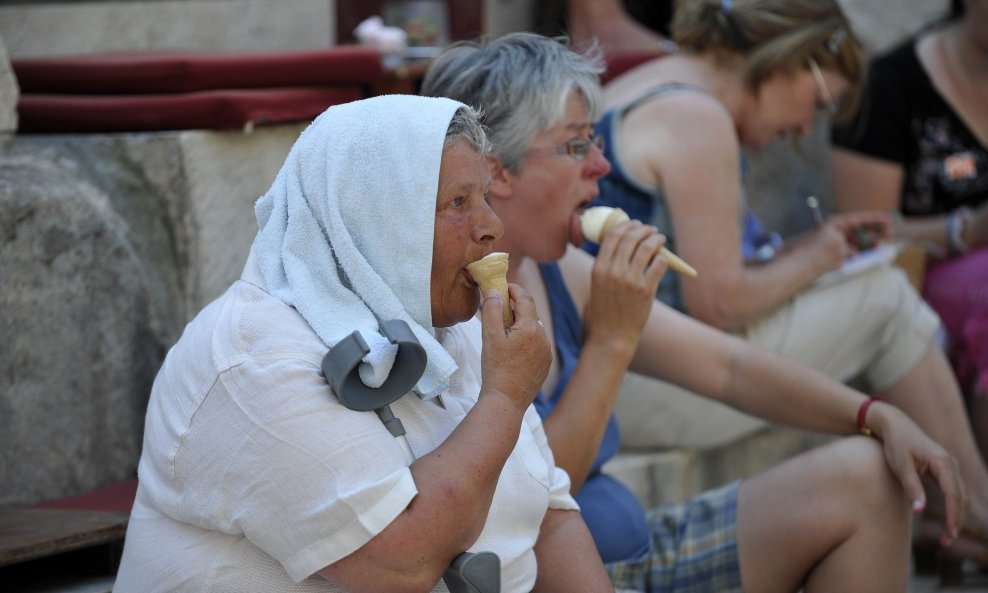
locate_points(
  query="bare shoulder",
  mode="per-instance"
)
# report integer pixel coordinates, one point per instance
(687, 115)
(675, 135)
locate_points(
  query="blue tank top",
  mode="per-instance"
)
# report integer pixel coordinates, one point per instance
(648, 204)
(612, 512)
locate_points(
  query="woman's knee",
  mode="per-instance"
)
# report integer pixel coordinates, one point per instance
(884, 294)
(846, 479)
(863, 474)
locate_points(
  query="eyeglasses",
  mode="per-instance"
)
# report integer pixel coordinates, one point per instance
(577, 148)
(828, 105)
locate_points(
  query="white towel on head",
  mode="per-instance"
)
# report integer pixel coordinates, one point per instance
(346, 229)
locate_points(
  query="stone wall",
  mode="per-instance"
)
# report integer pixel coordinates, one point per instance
(89, 294)
(109, 244)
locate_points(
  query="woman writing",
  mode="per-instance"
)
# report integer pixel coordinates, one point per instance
(750, 72)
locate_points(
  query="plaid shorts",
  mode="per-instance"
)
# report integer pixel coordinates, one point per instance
(694, 548)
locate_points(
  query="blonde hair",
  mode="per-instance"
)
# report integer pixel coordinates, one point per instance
(774, 36)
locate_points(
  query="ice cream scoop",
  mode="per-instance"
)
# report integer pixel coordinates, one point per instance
(596, 221)
(492, 272)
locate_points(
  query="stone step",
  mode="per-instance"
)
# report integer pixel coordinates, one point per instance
(674, 475)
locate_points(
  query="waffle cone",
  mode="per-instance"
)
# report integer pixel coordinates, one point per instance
(492, 272)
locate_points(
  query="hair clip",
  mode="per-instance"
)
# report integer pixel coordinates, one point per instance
(837, 39)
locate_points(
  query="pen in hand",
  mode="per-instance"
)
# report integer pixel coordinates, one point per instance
(861, 238)
(814, 205)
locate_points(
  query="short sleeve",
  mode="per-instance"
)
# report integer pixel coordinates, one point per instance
(271, 453)
(559, 482)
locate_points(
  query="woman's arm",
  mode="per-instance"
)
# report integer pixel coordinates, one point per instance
(694, 156)
(707, 361)
(867, 183)
(614, 294)
(567, 557)
(863, 182)
(456, 481)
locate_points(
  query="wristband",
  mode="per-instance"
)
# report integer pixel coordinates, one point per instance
(955, 230)
(863, 427)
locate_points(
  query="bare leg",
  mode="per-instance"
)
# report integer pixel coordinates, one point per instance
(833, 519)
(929, 394)
(608, 23)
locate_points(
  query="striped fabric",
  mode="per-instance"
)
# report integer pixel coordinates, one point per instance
(694, 548)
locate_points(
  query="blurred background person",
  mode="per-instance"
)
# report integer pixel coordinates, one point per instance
(749, 72)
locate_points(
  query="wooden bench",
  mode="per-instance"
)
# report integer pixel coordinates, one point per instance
(67, 545)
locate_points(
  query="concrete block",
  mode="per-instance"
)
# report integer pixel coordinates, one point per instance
(226, 172)
(654, 477)
(109, 245)
(749, 456)
(9, 93)
(664, 477)
(87, 295)
(78, 28)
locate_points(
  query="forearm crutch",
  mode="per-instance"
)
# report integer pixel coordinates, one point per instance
(470, 572)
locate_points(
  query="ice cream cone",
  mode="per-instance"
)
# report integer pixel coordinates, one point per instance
(596, 221)
(492, 272)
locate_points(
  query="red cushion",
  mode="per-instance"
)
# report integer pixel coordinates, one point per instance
(224, 109)
(155, 73)
(116, 498)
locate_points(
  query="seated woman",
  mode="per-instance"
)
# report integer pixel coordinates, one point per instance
(834, 519)
(750, 72)
(919, 146)
(254, 477)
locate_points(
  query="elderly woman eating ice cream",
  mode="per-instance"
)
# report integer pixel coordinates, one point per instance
(254, 477)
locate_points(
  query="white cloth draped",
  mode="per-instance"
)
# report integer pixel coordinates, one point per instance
(331, 243)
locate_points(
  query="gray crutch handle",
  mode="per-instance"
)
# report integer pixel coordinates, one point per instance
(470, 572)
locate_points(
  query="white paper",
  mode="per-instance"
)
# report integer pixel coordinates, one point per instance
(862, 261)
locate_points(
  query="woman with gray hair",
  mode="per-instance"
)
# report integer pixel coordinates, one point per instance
(833, 519)
(255, 475)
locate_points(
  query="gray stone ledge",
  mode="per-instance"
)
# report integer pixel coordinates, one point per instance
(77, 28)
